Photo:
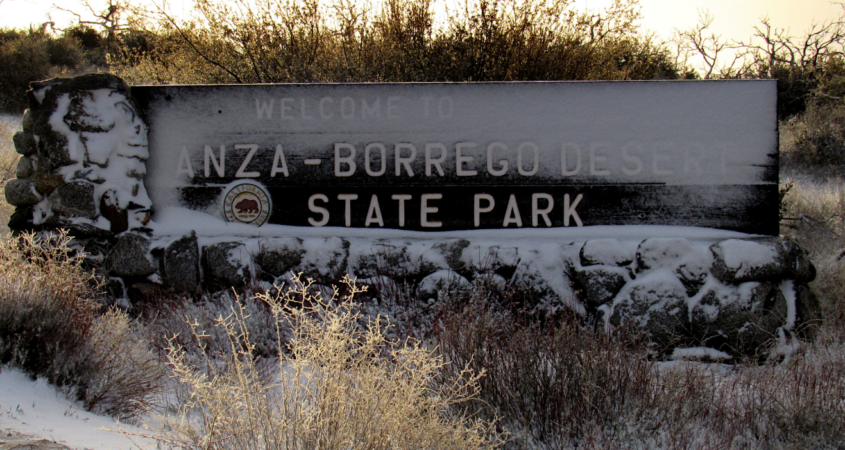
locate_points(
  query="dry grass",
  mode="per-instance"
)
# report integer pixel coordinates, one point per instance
(338, 385)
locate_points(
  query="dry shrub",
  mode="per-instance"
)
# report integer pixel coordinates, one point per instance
(558, 384)
(168, 321)
(240, 41)
(50, 327)
(815, 217)
(338, 386)
(8, 164)
(815, 139)
(551, 381)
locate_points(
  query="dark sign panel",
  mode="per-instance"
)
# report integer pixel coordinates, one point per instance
(449, 156)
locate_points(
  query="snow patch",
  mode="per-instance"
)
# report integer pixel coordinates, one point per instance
(34, 407)
(743, 256)
(700, 353)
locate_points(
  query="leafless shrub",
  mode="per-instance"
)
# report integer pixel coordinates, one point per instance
(551, 382)
(50, 327)
(337, 386)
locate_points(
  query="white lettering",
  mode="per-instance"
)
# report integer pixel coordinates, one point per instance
(367, 110)
(512, 214)
(425, 210)
(478, 209)
(536, 212)
(638, 163)
(460, 159)
(348, 160)
(403, 161)
(208, 157)
(401, 198)
(318, 209)
(326, 114)
(569, 210)
(656, 157)
(287, 107)
(383, 159)
(564, 170)
(184, 165)
(536, 167)
(302, 109)
(347, 107)
(503, 163)
(429, 161)
(347, 212)
(280, 164)
(594, 159)
(242, 173)
(264, 108)
(374, 213)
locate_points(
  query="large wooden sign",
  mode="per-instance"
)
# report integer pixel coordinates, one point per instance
(449, 156)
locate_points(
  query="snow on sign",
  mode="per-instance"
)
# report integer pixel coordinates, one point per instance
(451, 156)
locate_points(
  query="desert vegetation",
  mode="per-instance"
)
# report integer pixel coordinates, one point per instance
(284, 367)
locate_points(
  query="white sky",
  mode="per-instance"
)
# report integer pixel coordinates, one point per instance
(734, 19)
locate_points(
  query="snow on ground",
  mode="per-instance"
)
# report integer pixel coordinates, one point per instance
(35, 408)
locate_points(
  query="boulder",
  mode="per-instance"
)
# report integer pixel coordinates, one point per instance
(24, 168)
(656, 253)
(278, 256)
(130, 257)
(808, 312)
(600, 283)
(181, 264)
(384, 259)
(740, 260)
(24, 143)
(325, 259)
(440, 284)
(110, 209)
(74, 199)
(47, 183)
(739, 320)
(21, 192)
(226, 265)
(656, 304)
(452, 250)
(609, 252)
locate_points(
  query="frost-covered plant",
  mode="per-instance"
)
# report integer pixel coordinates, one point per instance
(50, 327)
(338, 386)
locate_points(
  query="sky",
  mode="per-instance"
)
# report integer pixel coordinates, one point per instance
(733, 19)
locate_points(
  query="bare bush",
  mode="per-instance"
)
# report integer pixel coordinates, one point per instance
(553, 383)
(398, 40)
(50, 327)
(337, 386)
(815, 140)
(8, 165)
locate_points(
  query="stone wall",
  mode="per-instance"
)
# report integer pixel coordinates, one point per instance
(84, 147)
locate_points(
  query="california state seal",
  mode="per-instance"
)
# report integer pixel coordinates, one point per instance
(247, 202)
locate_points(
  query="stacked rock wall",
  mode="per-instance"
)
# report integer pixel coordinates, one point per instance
(84, 147)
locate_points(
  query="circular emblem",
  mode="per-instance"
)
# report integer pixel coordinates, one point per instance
(247, 203)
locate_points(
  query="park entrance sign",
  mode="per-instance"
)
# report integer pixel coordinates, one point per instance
(645, 204)
(463, 156)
